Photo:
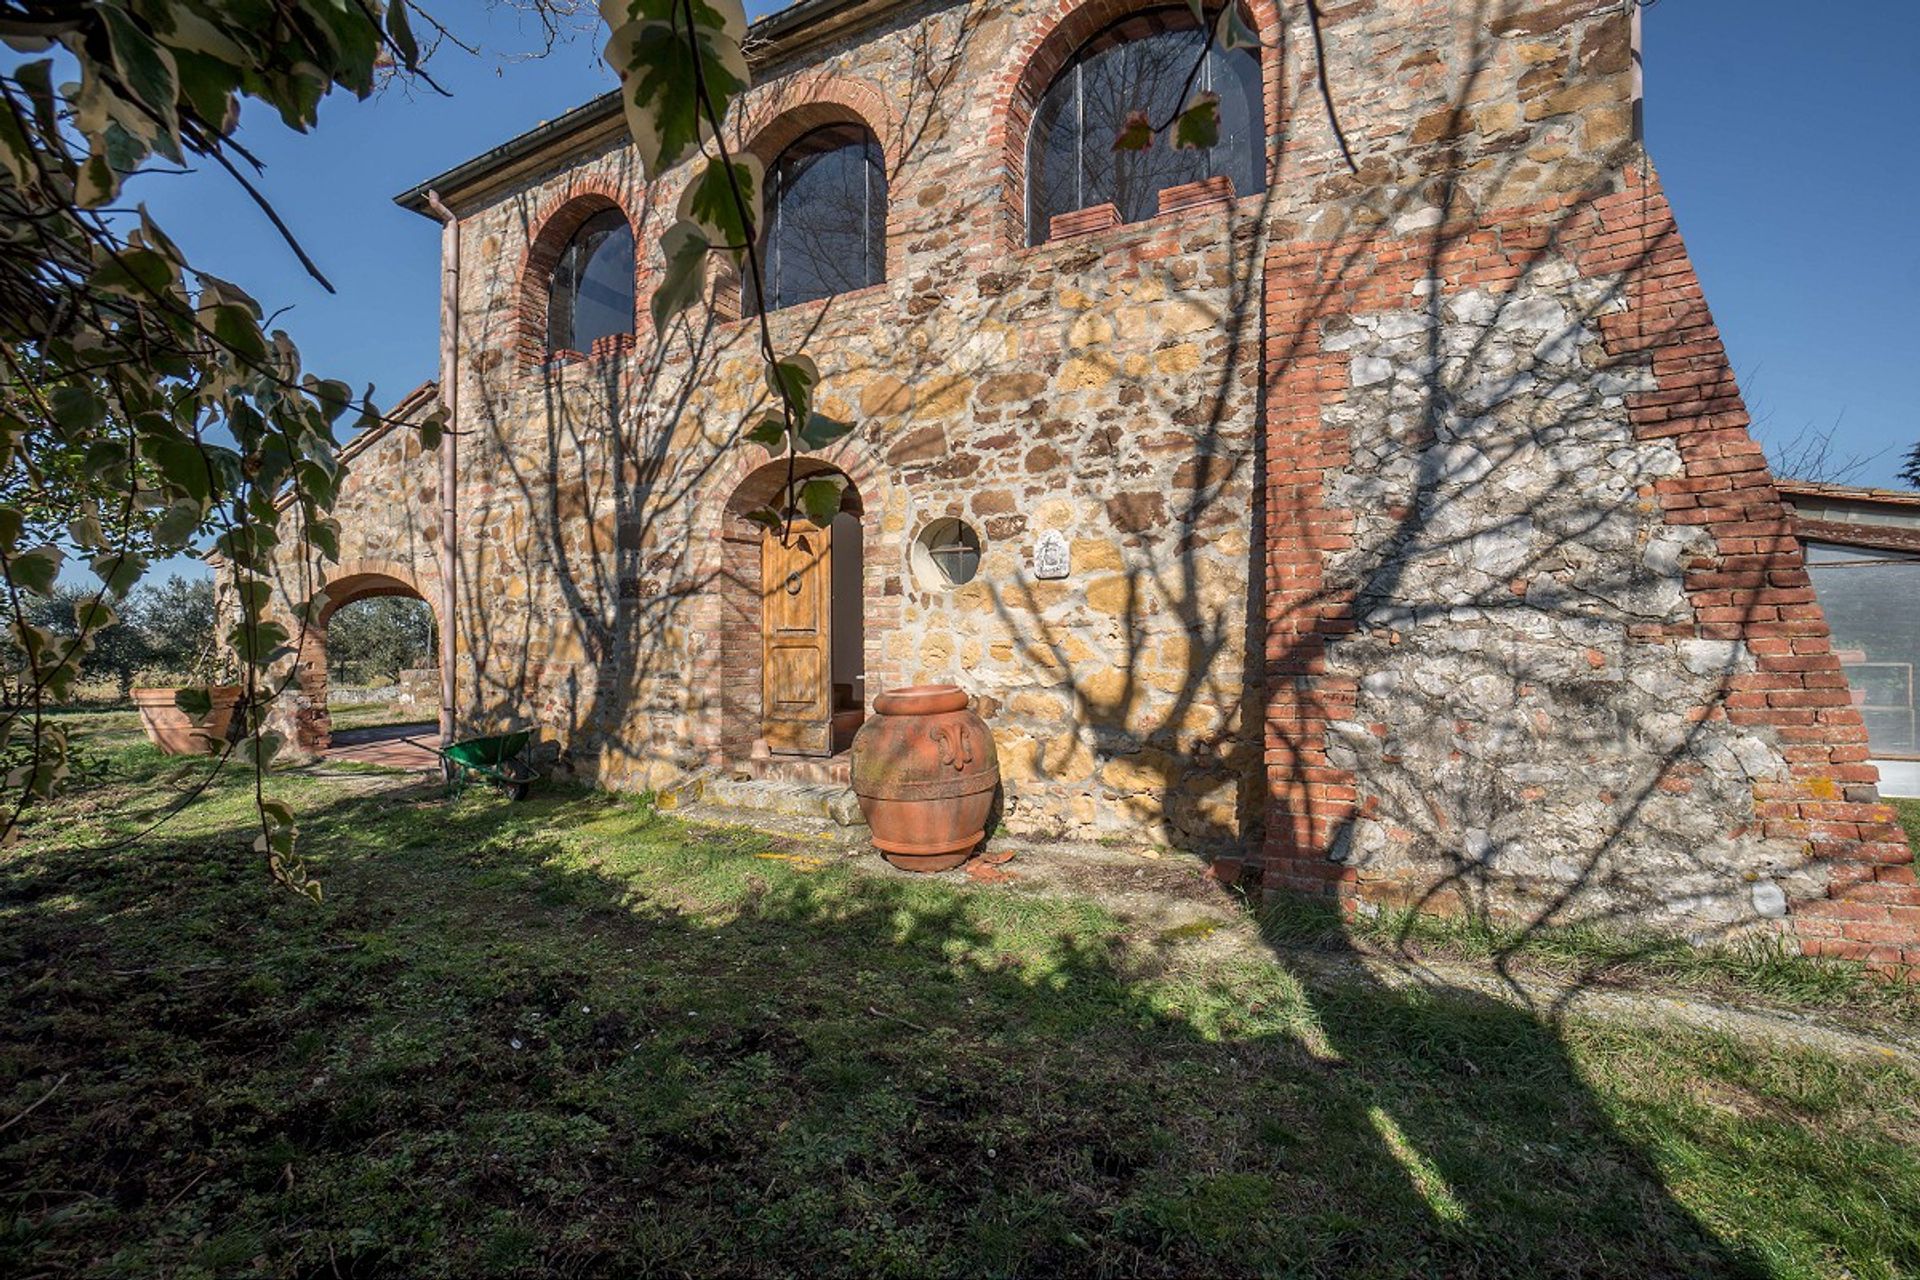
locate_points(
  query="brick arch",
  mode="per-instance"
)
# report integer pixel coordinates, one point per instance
(780, 113)
(552, 228)
(848, 455)
(1042, 51)
(785, 111)
(729, 550)
(763, 484)
(365, 578)
(347, 582)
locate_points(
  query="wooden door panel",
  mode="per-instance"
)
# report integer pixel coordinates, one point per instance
(797, 642)
(790, 679)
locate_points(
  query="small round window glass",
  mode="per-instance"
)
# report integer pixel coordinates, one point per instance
(946, 554)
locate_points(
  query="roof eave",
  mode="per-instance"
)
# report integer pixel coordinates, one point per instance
(776, 36)
(1791, 488)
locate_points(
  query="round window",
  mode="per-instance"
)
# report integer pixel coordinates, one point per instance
(946, 554)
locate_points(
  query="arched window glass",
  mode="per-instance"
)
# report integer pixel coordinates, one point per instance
(827, 229)
(592, 292)
(1140, 63)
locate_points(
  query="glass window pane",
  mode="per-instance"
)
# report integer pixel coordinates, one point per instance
(1143, 75)
(1053, 161)
(1146, 63)
(827, 234)
(604, 302)
(1872, 602)
(592, 292)
(1243, 121)
(946, 553)
(560, 304)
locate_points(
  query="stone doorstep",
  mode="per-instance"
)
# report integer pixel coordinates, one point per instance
(829, 771)
(831, 802)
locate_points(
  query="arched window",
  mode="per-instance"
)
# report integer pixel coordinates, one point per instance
(591, 295)
(827, 226)
(1140, 63)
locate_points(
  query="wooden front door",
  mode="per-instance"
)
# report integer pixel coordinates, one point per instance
(796, 590)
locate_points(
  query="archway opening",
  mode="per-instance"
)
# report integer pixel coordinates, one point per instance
(794, 641)
(369, 668)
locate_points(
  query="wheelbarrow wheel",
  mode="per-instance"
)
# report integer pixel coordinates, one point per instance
(517, 777)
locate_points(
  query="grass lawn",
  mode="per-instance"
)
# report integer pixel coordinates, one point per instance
(1909, 811)
(575, 1037)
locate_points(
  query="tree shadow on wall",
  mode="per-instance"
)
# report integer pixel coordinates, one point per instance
(607, 458)
(1513, 657)
(497, 1048)
(1487, 680)
(595, 465)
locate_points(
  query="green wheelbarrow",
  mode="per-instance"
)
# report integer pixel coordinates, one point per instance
(497, 759)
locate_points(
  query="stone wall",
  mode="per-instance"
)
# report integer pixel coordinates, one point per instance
(1510, 735)
(418, 689)
(1105, 388)
(1418, 548)
(388, 512)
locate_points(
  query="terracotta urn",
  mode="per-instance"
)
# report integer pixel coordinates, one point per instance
(925, 771)
(174, 731)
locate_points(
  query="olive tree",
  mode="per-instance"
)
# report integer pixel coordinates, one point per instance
(145, 407)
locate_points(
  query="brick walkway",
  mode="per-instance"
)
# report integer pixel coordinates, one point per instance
(387, 745)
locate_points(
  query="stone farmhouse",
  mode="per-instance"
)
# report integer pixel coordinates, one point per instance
(1389, 530)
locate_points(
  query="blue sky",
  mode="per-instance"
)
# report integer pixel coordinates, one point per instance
(1785, 138)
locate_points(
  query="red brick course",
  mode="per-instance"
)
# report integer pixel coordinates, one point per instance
(1193, 195)
(779, 114)
(1088, 221)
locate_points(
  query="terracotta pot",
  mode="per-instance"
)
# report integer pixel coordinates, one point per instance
(925, 771)
(174, 731)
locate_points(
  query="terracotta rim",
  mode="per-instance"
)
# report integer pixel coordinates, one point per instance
(218, 694)
(921, 700)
